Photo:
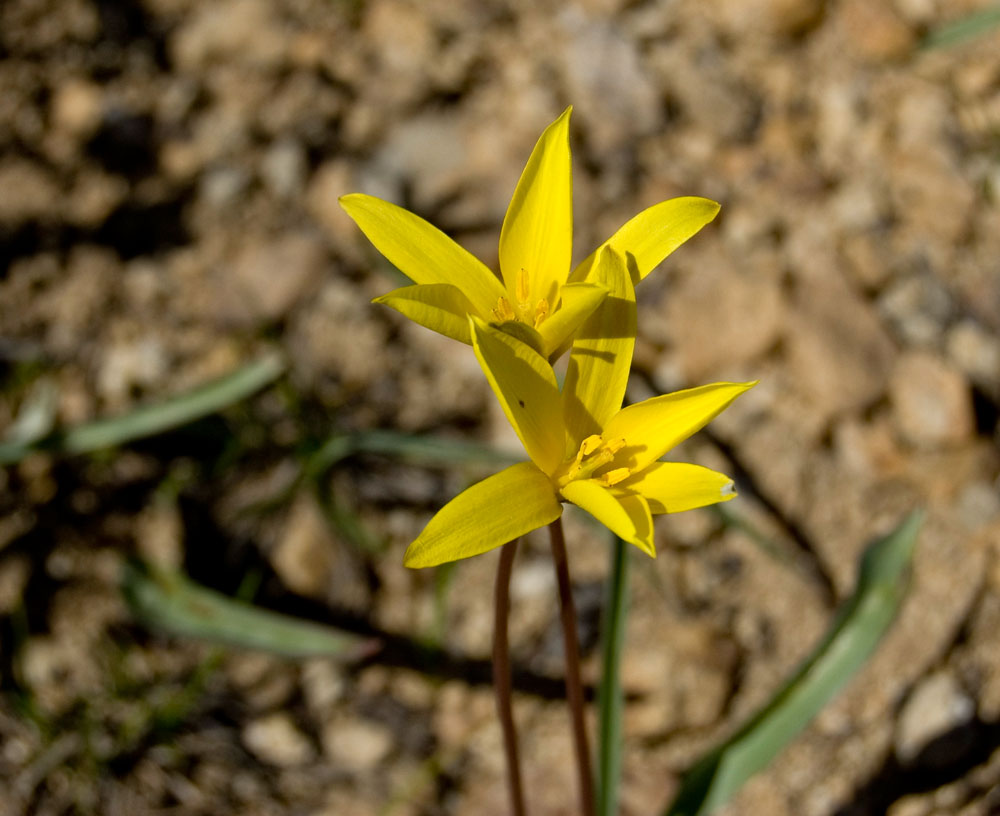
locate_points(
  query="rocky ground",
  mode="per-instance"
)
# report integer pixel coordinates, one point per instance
(169, 174)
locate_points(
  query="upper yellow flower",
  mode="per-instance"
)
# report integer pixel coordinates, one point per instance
(539, 301)
(584, 447)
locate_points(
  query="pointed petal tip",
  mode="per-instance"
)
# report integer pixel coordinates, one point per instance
(728, 490)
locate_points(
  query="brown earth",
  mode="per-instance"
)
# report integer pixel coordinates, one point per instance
(169, 174)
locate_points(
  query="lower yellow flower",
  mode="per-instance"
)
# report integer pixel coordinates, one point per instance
(584, 447)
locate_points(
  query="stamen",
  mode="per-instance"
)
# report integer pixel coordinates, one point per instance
(589, 445)
(523, 286)
(541, 312)
(503, 311)
(613, 477)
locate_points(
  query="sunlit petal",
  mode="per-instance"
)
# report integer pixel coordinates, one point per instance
(626, 515)
(498, 509)
(652, 427)
(601, 354)
(438, 306)
(537, 233)
(526, 387)
(654, 233)
(671, 487)
(579, 300)
(421, 251)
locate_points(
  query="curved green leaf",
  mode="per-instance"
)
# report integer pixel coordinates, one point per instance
(857, 629)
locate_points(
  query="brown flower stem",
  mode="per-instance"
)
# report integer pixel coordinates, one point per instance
(574, 688)
(501, 677)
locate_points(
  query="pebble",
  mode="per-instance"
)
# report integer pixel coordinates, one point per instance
(284, 168)
(976, 353)
(931, 401)
(277, 740)
(936, 706)
(839, 354)
(305, 555)
(356, 744)
(267, 277)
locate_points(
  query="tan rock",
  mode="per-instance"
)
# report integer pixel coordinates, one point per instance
(937, 705)
(267, 278)
(277, 740)
(838, 352)
(720, 317)
(875, 31)
(355, 744)
(305, 555)
(931, 401)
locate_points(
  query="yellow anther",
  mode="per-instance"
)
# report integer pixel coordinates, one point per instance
(615, 445)
(541, 312)
(523, 287)
(503, 311)
(613, 477)
(589, 445)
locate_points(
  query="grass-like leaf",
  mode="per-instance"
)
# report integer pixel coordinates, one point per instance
(420, 450)
(171, 602)
(149, 420)
(610, 698)
(857, 629)
(964, 28)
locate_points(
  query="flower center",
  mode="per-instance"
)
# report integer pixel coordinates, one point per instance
(522, 310)
(594, 454)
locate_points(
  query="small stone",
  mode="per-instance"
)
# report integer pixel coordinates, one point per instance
(719, 318)
(931, 401)
(220, 187)
(936, 706)
(918, 307)
(875, 31)
(976, 353)
(76, 107)
(839, 353)
(606, 78)
(268, 277)
(305, 555)
(284, 168)
(29, 191)
(276, 740)
(356, 744)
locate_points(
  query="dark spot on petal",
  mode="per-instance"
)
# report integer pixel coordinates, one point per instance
(520, 402)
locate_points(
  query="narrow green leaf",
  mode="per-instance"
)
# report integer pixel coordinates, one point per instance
(422, 450)
(171, 602)
(610, 700)
(964, 28)
(153, 419)
(857, 629)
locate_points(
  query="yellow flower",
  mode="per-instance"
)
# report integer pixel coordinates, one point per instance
(539, 301)
(584, 447)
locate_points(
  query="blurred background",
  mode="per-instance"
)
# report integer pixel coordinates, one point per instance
(169, 175)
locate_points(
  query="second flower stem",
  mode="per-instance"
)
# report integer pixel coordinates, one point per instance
(502, 679)
(574, 687)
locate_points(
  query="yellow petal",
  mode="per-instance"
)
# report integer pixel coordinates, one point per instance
(671, 487)
(438, 306)
(579, 300)
(498, 509)
(654, 233)
(625, 514)
(526, 387)
(652, 427)
(601, 356)
(537, 233)
(421, 251)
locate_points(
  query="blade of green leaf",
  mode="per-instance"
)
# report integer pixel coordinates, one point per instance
(857, 629)
(964, 28)
(173, 603)
(153, 419)
(422, 450)
(610, 699)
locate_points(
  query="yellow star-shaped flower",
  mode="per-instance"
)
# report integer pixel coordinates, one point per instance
(539, 300)
(584, 447)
